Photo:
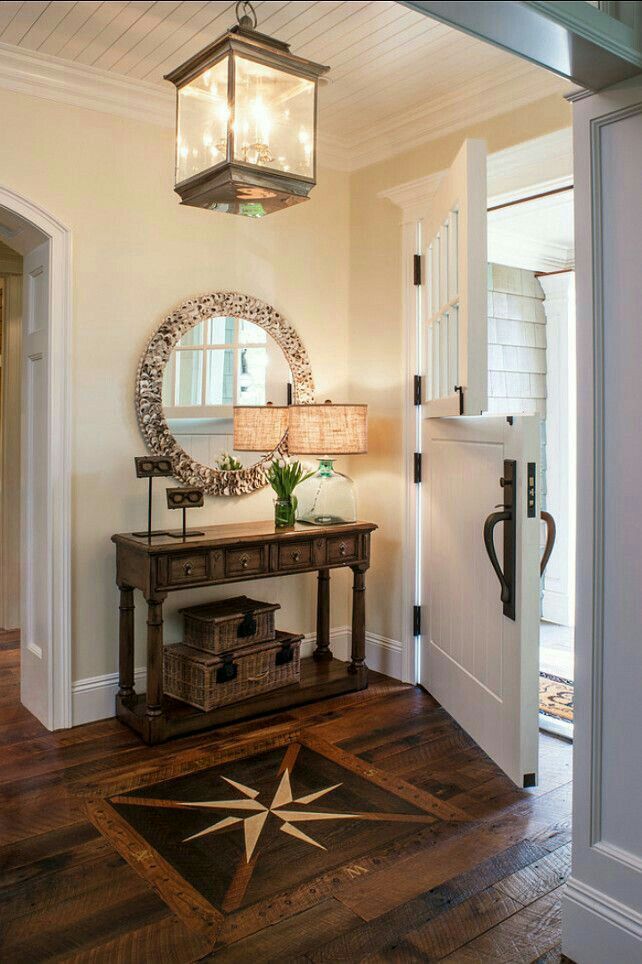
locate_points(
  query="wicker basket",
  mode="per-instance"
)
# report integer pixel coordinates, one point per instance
(206, 680)
(229, 624)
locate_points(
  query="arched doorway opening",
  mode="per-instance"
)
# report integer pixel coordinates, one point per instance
(41, 361)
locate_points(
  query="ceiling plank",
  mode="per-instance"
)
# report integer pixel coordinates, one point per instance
(152, 39)
(87, 32)
(66, 28)
(23, 19)
(48, 20)
(112, 33)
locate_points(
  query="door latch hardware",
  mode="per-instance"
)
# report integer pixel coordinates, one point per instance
(530, 490)
(460, 391)
(416, 269)
(507, 515)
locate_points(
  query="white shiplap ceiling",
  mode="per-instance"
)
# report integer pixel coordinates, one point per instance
(397, 78)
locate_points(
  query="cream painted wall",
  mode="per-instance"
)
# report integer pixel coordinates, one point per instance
(137, 254)
(376, 337)
(331, 266)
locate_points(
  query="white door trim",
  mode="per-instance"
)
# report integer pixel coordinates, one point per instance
(58, 452)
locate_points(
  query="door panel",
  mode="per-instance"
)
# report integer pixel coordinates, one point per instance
(35, 603)
(455, 298)
(479, 664)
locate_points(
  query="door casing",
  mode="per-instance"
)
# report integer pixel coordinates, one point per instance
(56, 706)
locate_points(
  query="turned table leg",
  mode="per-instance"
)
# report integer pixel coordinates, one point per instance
(358, 663)
(126, 643)
(323, 653)
(154, 656)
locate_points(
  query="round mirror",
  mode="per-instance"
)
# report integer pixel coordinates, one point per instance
(219, 363)
(209, 355)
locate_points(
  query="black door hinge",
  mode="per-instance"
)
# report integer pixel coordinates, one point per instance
(416, 620)
(460, 391)
(417, 467)
(417, 389)
(416, 269)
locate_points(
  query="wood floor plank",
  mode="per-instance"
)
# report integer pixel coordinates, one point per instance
(448, 931)
(380, 892)
(390, 928)
(166, 940)
(530, 933)
(49, 853)
(470, 883)
(292, 937)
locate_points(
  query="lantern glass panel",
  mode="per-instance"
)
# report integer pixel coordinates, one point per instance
(274, 118)
(202, 122)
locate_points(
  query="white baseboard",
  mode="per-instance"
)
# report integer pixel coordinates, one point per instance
(596, 928)
(94, 698)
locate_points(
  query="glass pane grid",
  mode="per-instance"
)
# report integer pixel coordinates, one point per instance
(219, 362)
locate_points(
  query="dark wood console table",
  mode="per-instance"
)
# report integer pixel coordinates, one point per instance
(229, 554)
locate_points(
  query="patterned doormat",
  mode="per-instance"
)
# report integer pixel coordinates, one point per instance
(556, 697)
(250, 837)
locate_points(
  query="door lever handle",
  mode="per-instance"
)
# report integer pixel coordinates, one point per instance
(508, 516)
(550, 540)
(489, 541)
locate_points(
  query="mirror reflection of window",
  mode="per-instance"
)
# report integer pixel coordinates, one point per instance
(219, 363)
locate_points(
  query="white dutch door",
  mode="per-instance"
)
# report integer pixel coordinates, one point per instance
(480, 623)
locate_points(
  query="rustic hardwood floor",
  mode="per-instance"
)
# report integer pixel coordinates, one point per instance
(486, 888)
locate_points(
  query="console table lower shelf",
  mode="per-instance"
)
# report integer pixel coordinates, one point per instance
(318, 681)
(220, 556)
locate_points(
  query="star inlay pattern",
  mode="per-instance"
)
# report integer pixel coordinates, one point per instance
(249, 813)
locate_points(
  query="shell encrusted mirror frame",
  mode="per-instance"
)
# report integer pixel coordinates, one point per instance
(149, 386)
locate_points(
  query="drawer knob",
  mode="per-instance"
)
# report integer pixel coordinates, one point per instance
(244, 562)
(188, 569)
(342, 549)
(296, 555)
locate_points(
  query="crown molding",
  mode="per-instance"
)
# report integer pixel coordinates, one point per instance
(41, 75)
(490, 95)
(517, 171)
(513, 173)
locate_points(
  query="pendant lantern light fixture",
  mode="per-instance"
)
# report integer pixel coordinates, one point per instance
(246, 123)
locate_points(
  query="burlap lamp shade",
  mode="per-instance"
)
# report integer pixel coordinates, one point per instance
(259, 428)
(328, 429)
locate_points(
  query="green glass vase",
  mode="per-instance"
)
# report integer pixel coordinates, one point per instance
(285, 512)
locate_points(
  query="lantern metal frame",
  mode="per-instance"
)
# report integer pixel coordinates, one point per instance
(231, 181)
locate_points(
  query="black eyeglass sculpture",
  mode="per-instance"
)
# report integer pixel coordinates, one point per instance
(151, 467)
(185, 498)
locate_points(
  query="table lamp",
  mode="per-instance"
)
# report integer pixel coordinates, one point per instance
(327, 497)
(259, 428)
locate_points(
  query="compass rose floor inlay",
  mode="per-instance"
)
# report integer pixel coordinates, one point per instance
(215, 841)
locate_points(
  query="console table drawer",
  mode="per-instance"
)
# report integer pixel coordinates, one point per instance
(185, 568)
(251, 560)
(297, 555)
(343, 549)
